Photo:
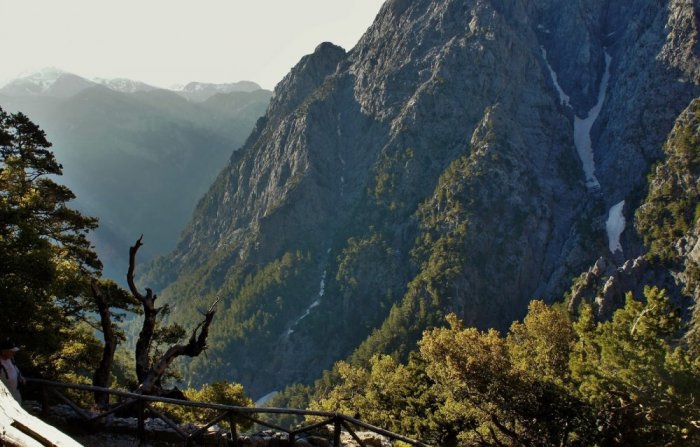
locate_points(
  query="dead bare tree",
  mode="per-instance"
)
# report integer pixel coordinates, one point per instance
(148, 374)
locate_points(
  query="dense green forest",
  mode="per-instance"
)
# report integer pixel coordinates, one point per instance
(47, 261)
(553, 379)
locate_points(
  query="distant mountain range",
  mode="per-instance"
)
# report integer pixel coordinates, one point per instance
(60, 84)
(136, 156)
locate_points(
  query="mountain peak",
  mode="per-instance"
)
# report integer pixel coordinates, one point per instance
(125, 85)
(324, 47)
(201, 91)
(48, 81)
(47, 73)
(307, 75)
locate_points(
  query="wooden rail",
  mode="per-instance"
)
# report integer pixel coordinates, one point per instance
(225, 412)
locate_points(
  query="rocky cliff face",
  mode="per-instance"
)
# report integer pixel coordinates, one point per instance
(464, 156)
(667, 220)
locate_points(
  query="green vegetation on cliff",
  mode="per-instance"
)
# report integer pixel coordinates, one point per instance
(550, 381)
(668, 219)
(254, 305)
(672, 207)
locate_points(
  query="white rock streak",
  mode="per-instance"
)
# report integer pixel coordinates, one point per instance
(322, 287)
(583, 126)
(316, 303)
(340, 157)
(615, 225)
(261, 402)
(582, 130)
(563, 97)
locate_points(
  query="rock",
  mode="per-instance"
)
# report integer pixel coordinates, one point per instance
(367, 438)
(318, 441)
(599, 267)
(20, 429)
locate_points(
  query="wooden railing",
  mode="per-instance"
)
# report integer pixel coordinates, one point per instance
(231, 414)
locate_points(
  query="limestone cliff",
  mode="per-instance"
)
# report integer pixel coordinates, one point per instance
(463, 156)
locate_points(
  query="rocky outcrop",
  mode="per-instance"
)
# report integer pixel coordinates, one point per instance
(20, 429)
(442, 155)
(667, 220)
(606, 286)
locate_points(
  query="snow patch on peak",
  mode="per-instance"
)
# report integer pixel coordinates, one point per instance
(40, 81)
(124, 85)
(48, 81)
(45, 74)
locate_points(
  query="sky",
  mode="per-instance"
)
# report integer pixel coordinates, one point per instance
(172, 42)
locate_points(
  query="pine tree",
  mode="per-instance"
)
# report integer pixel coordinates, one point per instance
(636, 373)
(46, 260)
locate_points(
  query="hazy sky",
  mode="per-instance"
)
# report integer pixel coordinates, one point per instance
(166, 42)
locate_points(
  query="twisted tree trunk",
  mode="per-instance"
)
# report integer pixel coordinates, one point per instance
(196, 344)
(149, 375)
(150, 312)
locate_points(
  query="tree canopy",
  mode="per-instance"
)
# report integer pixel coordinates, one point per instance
(551, 380)
(46, 260)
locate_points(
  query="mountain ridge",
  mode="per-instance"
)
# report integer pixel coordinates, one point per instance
(139, 160)
(433, 168)
(62, 84)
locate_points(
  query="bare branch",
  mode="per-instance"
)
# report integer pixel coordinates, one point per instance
(149, 376)
(132, 265)
(195, 346)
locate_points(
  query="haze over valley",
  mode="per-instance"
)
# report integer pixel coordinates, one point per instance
(137, 156)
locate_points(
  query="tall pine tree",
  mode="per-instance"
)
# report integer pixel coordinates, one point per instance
(46, 260)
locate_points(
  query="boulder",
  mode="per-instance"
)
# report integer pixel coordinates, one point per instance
(20, 429)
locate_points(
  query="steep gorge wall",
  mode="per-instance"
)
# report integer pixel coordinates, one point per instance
(432, 168)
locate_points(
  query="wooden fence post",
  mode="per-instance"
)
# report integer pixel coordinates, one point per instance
(142, 420)
(336, 432)
(44, 401)
(234, 430)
